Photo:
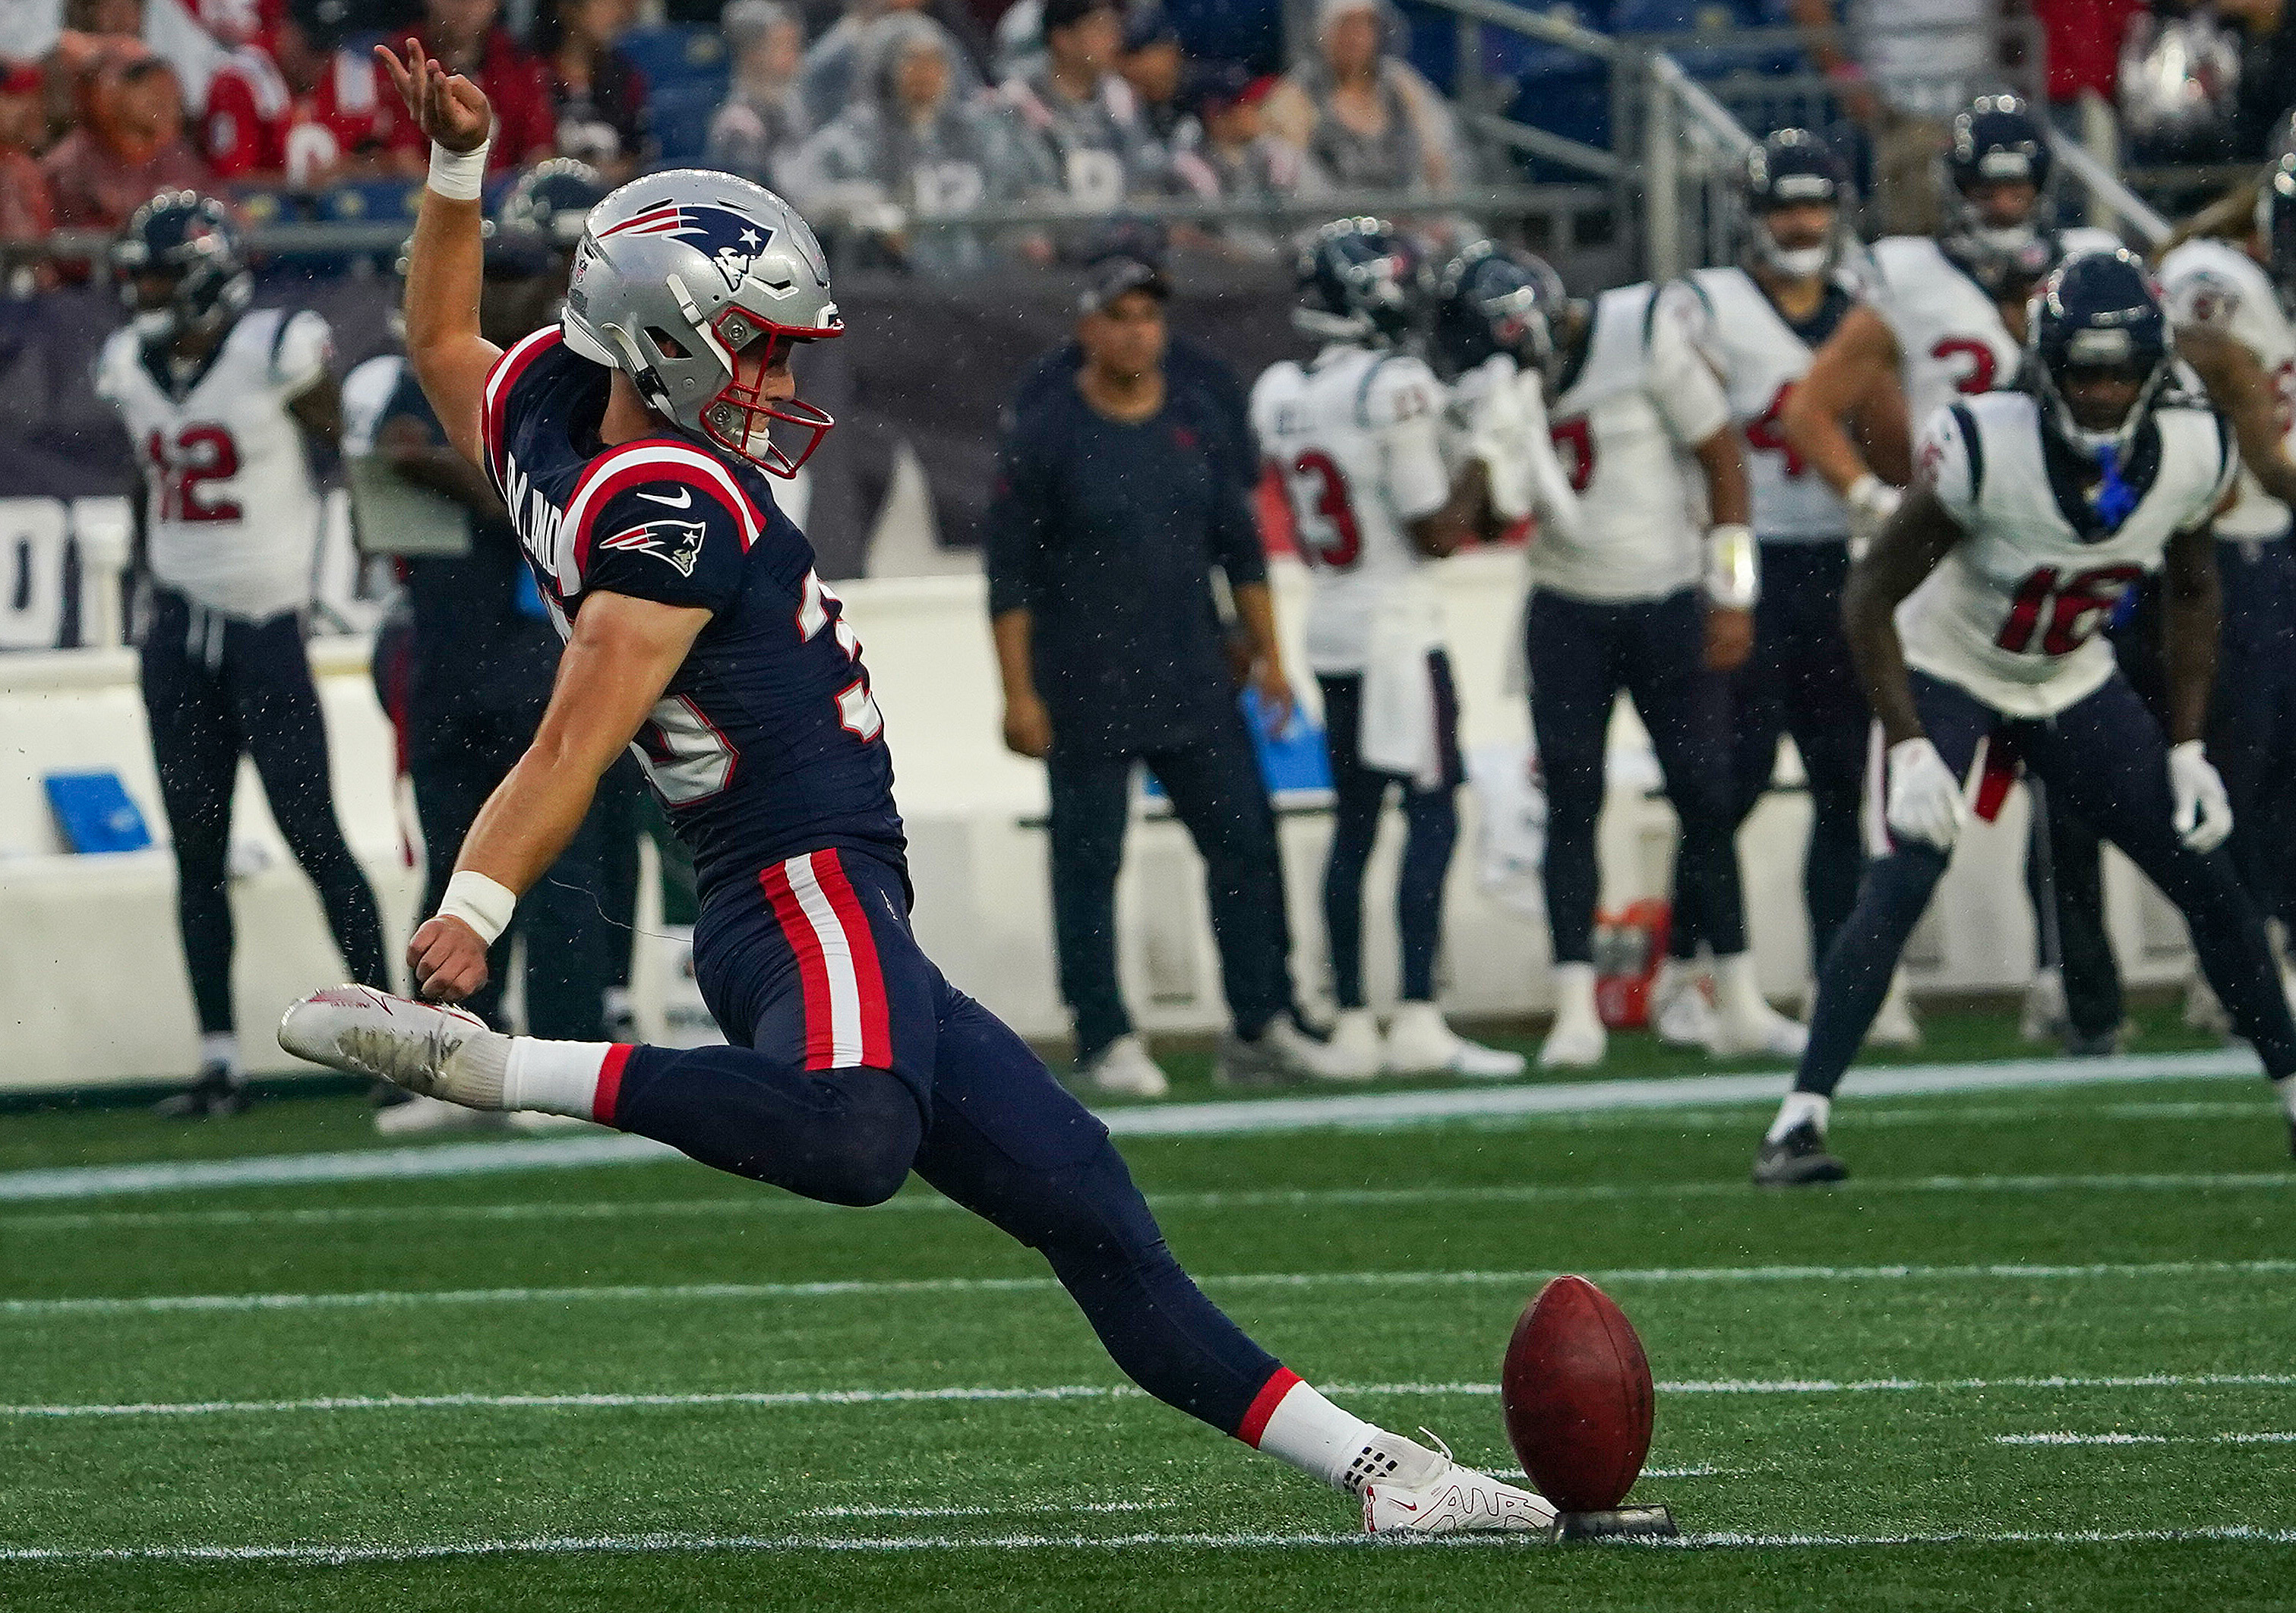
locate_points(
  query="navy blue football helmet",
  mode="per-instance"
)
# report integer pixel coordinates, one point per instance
(2098, 312)
(1793, 167)
(1490, 301)
(179, 265)
(1361, 281)
(541, 220)
(1999, 140)
(2275, 225)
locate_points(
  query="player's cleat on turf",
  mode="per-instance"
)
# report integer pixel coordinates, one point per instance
(2078, 1044)
(2044, 1016)
(1441, 1498)
(1896, 1024)
(1797, 1159)
(1280, 1055)
(1353, 1051)
(2203, 1011)
(416, 1116)
(1420, 1044)
(1578, 1040)
(1123, 1069)
(425, 1047)
(216, 1094)
(1681, 1012)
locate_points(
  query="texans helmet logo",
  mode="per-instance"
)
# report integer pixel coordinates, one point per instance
(677, 542)
(730, 239)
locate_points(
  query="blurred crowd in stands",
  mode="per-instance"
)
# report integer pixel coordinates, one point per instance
(888, 115)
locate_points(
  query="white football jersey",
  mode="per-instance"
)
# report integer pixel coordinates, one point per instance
(1356, 435)
(2214, 282)
(231, 509)
(1760, 355)
(1951, 341)
(1623, 427)
(367, 392)
(2011, 612)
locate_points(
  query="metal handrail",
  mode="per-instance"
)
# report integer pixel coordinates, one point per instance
(2107, 187)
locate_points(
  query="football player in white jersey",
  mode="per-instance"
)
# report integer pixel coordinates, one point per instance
(220, 402)
(1355, 436)
(1644, 578)
(2229, 302)
(1973, 620)
(1757, 322)
(1944, 317)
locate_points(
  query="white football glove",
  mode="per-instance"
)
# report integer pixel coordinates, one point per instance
(1872, 503)
(1926, 801)
(2203, 812)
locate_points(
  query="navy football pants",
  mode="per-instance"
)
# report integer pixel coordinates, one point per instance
(2252, 729)
(856, 1062)
(2106, 759)
(1798, 682)
(215, 688)
(1580, 654)
(1431, 831)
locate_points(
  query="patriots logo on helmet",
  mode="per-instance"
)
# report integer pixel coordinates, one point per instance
(732, 240)
(676, 542)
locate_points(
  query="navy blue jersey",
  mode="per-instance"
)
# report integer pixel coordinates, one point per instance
(767, 744)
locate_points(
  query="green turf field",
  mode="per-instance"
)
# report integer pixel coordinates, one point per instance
(2042, 1353)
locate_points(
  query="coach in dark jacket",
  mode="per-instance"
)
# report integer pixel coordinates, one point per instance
(1118, 497)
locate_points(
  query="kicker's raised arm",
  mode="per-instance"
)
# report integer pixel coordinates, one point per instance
(444, 262)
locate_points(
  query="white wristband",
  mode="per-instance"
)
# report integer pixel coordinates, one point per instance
(458, 175)
(1734, 569)
(478, 902)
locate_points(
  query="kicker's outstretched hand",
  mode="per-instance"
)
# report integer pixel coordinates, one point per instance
(446, 106)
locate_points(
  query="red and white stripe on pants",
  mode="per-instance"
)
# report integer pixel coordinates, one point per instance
(846, 1022)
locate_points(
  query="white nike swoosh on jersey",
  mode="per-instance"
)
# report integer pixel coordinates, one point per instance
(685, 497)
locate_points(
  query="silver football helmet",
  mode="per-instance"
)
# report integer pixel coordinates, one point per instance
(679, 272)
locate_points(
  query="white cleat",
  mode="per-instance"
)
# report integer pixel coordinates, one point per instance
(1420, 1044)
(1576, 1042)
(1759, 1031)
(1353, 1051)
(1681, 1015)
(416, 1116)
(2044, 1016)
(1895, 1026)
(430, 1049)
(2204, 1012)
(1447, 1498)
(1123, 1069)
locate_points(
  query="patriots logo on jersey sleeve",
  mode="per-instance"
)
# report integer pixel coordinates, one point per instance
(732, 240)
(676, 542)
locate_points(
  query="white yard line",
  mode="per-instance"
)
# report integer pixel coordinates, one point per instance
(2062, 1439)
(1378, 1112)
(772, 1399)
(749, 1205)
(661, 1542)
(645, 1293)
(1013, 1509)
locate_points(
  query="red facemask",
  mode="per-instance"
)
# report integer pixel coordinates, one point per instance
(740, 418)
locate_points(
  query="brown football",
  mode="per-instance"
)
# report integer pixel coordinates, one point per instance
(1576, 1388)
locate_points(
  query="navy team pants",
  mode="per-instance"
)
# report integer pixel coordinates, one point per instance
(855, 1062)
(1580, 654)
(215, 688)
(1800, 682)
(1214, 785)
(2252, 729)
(2106, 759)
(1431, 831)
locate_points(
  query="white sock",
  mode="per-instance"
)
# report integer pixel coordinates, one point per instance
(1736, 988)
(556, 1077)
(1338, 1447)
(1673, 975)
(221, 1046)
(1574, 992)
(1798, 1108)
(2286, 1087)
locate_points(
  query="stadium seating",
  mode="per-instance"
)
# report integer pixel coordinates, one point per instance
(686, 73)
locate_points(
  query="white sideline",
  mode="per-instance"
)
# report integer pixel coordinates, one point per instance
(769, 1398)
(768, 1204)
(2060, 1440)
(1371, 1112)
(132, 1303)
(659, 1542)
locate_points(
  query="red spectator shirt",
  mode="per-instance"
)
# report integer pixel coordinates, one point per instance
(25, 212)
(254, 124)
(525, 129)
(96, 187)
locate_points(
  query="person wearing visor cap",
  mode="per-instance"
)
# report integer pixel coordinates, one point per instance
(1118, 494)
